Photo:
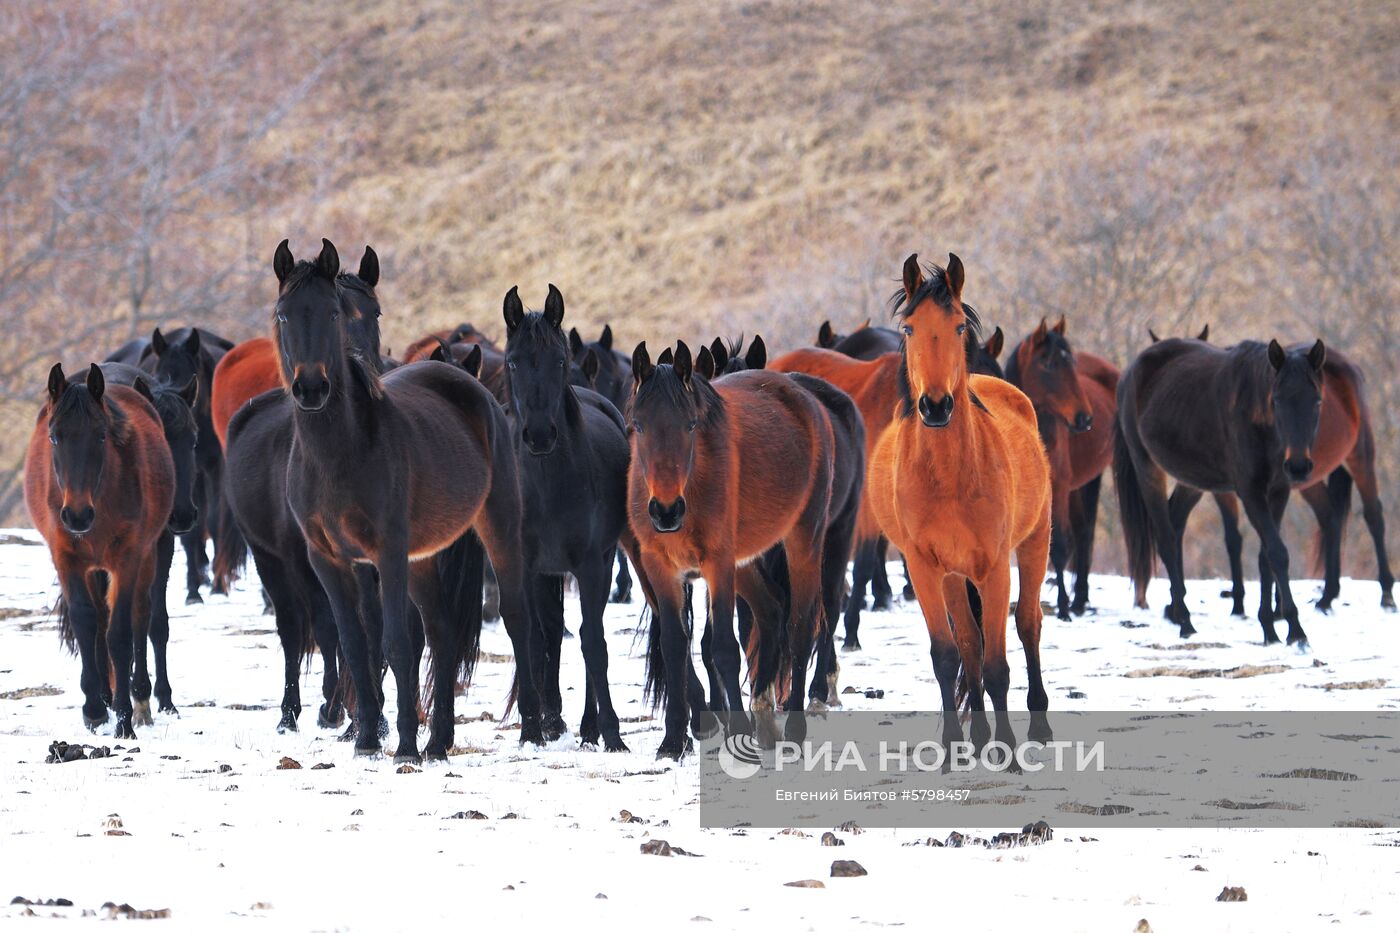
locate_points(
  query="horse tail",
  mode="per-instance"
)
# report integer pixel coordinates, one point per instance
(461, 572)
(1339, 498)
(962, 696)
(66, 635)
(1132, 508)
(772, 656)
(230, 548)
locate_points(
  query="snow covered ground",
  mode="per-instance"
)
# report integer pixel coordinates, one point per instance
(212, 830)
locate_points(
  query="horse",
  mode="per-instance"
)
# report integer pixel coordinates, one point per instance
(1345, 454)
(432, 474)
(251, 368)
(99, 483)
(847, 486)
(719, 474)
(185, 353)
(1241, 420)
(422, 348)
(1074, 395)
(959, 482)
(864, 343)
(572, 451)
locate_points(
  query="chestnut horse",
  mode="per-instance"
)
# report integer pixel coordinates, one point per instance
(959, 482)
(99, 483)
(388, 472)
(720, 474)
(1241, 420)
(1075, 398)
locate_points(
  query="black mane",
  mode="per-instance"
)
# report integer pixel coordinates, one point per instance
(663, 384)
(935, 289)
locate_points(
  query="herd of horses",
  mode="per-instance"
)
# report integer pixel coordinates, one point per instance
(392, 505)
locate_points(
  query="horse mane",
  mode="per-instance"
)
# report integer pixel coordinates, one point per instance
(364, 373)
(171, 407)
(664, 383)
(935, 289)
(77, 398)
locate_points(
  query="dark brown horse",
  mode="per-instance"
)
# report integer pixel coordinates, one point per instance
(1075, 402)
(390, 472)
(719, 475)
(1241, 420)
(99, 483)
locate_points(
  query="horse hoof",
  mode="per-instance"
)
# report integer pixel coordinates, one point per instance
(815, 705)
(1323, 606)
(408, 758)
(194, 599)
(141, 713)
(363, 752)
(124, 730)
(883, 604)
(1078, 609)
(1388, 602)
(704, 723)
(92, 722)
(287, 724)
(325, 720)
(615, 744)
(850, 644)
(618, 596)
(909, 594)
(1063, 615)
(168, 706)
(1299, 641)
(532, 735)
(674, 749)
(435, 755)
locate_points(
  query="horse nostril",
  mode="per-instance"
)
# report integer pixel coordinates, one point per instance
(936, 414)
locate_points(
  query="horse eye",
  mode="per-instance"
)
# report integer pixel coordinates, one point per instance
(53, 439)
(637, 426)
(281, 318)
(907, 330)
(962, 329)
(691, 426)
(510, 364)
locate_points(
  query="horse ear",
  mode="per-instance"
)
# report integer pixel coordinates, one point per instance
(440, 353)
(641, 364)
(720, 354)
(472, 363)
(554, 307)
(512, 310)
(1060, 326)
(192, 341)
(328, 263)
(913, 276)
(684, 365)
(57, 382)
(1041, 332)
(954, 276)
(605, 339)
(143, 389)
(590, 366)
(995, 344)
(1317, 356)
(757, 355)
(190, 391)
(369, 267)
(1276, 354)
(158, 343)
(575, 342)
(705, 363)
(1153, 334)
(283, 263)
(1204, 335)
(826, 337)
(667, 358)
(96, 384)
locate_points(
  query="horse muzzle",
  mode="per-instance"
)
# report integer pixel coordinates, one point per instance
(1297, 469)
(1083, 421)
(540, 443)
(935, 414)
(183, 521)
(667, 518)
(77, 521)
(310, 391)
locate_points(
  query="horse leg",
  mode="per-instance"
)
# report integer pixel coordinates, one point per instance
(943, 647)
(1030, 567)
(498, 526)
(623, 593)
(285, 603)
(835, 552)
(1060, 540)
(1316, 496)
(547, 634)
(444, 639)
(341, 591)
(336, 684)
(719, 584)
(121, 587)
(881, 596)
(592, 576)
(140, 634)
(159, 628)
(996, 673)
(84, 619)
(1084, 520)
(862, 573)
(399, 641)
(1363, 472)
(968, 632)
(1179, 506)
(762, 648)
(1265, 511)
(196, 560)
(1229, 507)
(675, 655)
(804, 558)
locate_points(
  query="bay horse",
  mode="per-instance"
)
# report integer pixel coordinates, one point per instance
(959, 482)
(1075, 399)
(388, 473)
(185, 353)
(572, 451)
(719, 474)
(99, 483)
(251, 368)
(1241, 420)
(422, 348)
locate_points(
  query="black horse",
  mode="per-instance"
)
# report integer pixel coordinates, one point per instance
(388, 473)
(571, 445)
(1241, 420)
(175, 358)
